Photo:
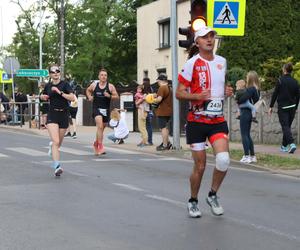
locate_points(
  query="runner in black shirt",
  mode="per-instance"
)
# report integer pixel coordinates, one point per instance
(101, 92)
(59, 93)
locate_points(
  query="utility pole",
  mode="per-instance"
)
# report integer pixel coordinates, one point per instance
(41, 37)
(176, 112)
(62, 38)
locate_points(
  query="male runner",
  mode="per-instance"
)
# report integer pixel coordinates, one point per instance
(101, 92)
(202, 82)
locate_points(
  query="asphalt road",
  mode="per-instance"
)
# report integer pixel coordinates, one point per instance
(131, 200)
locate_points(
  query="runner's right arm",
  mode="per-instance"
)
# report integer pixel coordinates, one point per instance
(90, 91)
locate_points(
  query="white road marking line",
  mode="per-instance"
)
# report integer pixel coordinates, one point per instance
(265, 229)
(75, 151)
(66, 161)
(2, 155)
(111, 159)
(28, 151)
(160, 198)
(130, 187)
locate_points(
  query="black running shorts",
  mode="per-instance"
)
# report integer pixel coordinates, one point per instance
(102, 112)
(59, 117)
(197, 132)
(73, 112)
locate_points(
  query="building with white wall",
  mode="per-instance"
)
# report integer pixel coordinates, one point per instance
(153, 38)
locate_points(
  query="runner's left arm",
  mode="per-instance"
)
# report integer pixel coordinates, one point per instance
(113, 91)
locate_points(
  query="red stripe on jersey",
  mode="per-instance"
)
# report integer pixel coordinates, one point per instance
(182, 80)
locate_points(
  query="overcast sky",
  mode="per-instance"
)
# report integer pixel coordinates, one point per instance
(8, 27)
(9, 12)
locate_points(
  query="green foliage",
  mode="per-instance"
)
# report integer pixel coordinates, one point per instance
(296, 72)
(97, 34)
(234, 74)
(271, 71)
(271, 31)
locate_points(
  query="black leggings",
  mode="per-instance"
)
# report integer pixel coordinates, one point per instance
(245, 125)
(286, 117)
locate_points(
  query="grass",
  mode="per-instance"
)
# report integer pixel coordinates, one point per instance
(267, 160)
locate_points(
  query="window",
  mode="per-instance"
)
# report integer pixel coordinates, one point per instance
(164, 33)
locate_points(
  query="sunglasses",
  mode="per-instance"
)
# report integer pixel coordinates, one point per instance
(55, 71)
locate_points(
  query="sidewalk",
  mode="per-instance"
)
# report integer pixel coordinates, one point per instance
(86, 134)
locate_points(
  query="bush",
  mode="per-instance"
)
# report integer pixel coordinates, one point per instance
(234, 74)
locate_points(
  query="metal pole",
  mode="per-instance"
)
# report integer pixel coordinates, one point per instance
(3, 88)
(62, 38)
(40, 37)
(176, 111)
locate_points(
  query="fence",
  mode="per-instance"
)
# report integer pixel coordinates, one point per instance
(17, 113)
(268, 129)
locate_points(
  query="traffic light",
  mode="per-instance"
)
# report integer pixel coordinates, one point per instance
(198, 14)
(198, 20)
(189, 37)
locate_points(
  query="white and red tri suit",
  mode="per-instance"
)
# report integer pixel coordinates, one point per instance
(199, 74)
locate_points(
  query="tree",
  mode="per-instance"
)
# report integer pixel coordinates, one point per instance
(272, 31)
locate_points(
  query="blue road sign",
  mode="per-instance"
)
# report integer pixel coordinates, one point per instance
(226, 15)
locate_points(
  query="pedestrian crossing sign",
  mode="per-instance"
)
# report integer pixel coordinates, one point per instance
(4, 77)
(227, 17)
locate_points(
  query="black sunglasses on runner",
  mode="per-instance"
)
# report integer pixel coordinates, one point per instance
(56, 71)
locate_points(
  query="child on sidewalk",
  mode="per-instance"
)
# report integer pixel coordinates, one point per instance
(118, 123)
(143, 109)
(240, 91)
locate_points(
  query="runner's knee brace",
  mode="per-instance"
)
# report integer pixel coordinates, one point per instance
(222, 161)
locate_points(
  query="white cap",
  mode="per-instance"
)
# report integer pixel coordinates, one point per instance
(203, 31)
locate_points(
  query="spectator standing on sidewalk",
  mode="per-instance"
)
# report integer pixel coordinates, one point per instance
(252, 94)
(100, 93)
(202, 82)
(164, 111)
(21, 103)
(142, 108)
(73, 109)
(240, 91)
(59, 94)
(287, 95)
(148, 90)
(4, 107)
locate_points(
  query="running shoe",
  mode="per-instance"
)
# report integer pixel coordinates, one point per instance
(292, 148)
(68, 134)
(101, 150)
(215, 206)
(194, 210)
(121, 141)
(246, 159)
(58, 171)
(74, 136)
(50, 149)
(284, 149)
(96, 147)
(253, 158)
(161, 147)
